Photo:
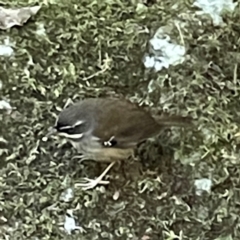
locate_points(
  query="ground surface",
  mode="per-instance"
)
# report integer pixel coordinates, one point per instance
(157, 199)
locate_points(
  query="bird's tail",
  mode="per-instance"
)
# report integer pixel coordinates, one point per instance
(171, 121)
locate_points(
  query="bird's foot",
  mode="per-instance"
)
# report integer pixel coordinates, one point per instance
(91, 183)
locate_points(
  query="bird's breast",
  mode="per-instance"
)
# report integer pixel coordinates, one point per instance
(91, 148)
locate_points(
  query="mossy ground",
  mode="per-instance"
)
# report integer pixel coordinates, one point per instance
(156, 195)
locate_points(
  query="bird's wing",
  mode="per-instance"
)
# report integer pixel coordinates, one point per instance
(123, 123)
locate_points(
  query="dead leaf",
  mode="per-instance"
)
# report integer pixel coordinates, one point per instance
(16, 17)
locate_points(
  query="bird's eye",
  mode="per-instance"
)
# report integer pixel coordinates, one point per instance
(66, 129)
(70, 131)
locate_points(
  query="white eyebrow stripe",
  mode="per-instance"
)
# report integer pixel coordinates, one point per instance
(69, 127)
(78, 123)
(65, 127)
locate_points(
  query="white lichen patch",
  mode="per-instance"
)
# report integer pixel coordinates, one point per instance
(164, 52)
(202, 185)
(214, 8)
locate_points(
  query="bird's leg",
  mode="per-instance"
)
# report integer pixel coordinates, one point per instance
(91, 183)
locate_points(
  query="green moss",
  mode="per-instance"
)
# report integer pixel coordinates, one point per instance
(158, 200)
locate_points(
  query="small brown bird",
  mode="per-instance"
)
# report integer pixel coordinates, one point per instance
(108, 129)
